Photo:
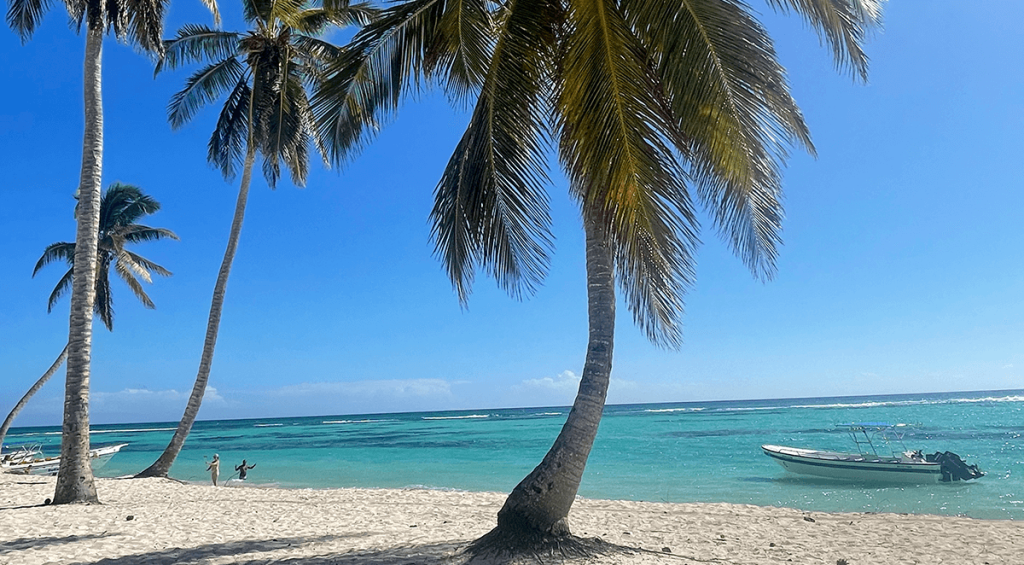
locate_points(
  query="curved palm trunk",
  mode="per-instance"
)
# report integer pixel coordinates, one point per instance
(162, 465)
(31, 392)
(541, 501)
(74, 477)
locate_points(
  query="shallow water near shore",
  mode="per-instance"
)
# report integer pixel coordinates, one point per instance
(679, 452)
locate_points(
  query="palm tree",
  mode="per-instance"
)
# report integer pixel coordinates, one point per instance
(650, 103)
(139, 22)
(120, 208)
(264, 73)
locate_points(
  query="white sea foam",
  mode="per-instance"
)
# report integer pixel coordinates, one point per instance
(471, 416)
(267, 425)
(666, 410)
(352, 421)
(930, 402)
(134, 431)
(548, 414)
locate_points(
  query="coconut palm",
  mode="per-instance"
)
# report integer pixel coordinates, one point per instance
(139, 22)
(121, 207)
(264, 75)
(652, 105)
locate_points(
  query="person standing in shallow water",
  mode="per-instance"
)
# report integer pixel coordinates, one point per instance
(242, 469)
(214, 468)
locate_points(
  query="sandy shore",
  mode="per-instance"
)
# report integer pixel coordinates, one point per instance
(152, 521)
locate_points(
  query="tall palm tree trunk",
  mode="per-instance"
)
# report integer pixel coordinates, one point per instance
(74, 476)
(162, 465)
(541, 502)
(31, 392)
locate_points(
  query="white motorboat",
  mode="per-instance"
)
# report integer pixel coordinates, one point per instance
(899, 466)
(30, 461)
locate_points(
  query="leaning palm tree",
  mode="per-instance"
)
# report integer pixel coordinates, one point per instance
(652, 105)
(139, 22)
(264, 74)
(121, 207)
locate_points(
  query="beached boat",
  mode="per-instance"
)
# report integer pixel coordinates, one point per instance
(900, 465)
(29, 460)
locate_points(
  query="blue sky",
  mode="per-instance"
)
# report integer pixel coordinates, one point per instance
(901, 269)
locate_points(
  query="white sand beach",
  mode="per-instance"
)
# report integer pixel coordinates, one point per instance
(157, 521)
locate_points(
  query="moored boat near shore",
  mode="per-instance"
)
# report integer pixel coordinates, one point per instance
(29, 460)
(868, 465)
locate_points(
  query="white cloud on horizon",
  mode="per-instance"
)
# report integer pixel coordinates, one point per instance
(391, 388)
(102, 400)
(564, 381)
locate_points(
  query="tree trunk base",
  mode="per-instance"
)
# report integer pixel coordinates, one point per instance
(512, 543)
(151, 472)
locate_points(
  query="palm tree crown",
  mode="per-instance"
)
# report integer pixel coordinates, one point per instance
(264, 73)
(120, 208)
(654, 106)
(651, 105)
(139, 22)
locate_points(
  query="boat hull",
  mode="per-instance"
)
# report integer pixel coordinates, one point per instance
(854, 467)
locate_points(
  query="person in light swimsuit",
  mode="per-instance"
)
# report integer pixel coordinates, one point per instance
(214, 468)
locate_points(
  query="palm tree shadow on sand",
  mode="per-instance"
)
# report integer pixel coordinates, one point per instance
(454, 553)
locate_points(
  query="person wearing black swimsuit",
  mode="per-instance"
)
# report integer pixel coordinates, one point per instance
(242, 469)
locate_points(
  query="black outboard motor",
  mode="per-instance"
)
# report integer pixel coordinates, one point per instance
(954, 468)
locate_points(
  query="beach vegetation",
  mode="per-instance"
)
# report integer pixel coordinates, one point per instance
(654, 108)
(121, 207)
(265, 76)
(139, 23)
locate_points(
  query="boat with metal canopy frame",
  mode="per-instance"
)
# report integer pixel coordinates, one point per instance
(882, 457)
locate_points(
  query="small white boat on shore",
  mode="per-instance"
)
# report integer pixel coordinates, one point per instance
(30, 460)
(898, 466)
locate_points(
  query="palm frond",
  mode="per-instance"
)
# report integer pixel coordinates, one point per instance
(144, 24)
(346, 14)
(311, 21)
(63, 286)
(230, 137)
(490, 206)
(314, 55)
(203, 87)
(196, 43)
(615, 133)
(60, 251)
(287, 138)
(104, 304)
(23, 16)
(124, 261)
(463, 46)
(138, 233)
(257, 10)
(211, 5)
(364, 87)
(730, 97)
(123, 204)
(128, 276)
(148, 265)
(843, 24)
(287, 12)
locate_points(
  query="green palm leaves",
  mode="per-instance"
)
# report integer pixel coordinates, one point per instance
(653, 106)
(120, 208)
(263, 76)
(139, 22)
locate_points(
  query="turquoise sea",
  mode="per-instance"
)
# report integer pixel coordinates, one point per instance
(680, 452)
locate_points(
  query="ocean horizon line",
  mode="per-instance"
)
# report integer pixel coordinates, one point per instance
(1013, 395)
